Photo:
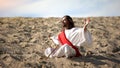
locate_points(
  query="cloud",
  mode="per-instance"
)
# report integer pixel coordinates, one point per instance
(48, 7)
(101, 8)
(45, 8)
(9, 4)
(108, 8)
(6, 6)
(113, 8)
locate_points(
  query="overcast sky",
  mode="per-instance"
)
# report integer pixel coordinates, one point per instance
(58, 8)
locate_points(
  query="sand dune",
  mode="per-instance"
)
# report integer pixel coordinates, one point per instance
(23, 41)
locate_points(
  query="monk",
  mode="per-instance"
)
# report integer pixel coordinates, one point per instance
(69, 39)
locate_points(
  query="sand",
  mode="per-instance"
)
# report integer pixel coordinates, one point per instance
(23, 41)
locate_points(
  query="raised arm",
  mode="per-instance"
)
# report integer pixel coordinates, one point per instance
(86, 22)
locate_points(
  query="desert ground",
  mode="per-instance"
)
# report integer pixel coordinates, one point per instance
(23, 41)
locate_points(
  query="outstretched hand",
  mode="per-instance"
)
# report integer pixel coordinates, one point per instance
(86, 21)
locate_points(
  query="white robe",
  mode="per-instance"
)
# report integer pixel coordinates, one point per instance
(77, 36)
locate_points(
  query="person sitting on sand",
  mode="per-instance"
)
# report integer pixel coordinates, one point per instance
(69, 39)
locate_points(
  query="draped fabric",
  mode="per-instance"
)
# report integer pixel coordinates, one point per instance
(76, 36)
(63, 40)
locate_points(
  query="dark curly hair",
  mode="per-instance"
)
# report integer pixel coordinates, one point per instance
(69, 24)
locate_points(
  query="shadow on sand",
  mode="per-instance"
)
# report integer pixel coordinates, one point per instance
(96, 60)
